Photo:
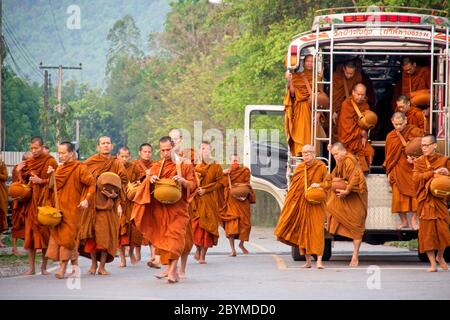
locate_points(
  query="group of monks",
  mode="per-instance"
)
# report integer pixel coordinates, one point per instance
(100, 218)
(302, 222)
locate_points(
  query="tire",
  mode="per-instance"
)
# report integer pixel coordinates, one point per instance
(327, 252)
(295, 253)
(422, 257)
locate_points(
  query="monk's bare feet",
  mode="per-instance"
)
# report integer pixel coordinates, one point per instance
(103, 272)
(59, 275)
(153, 265)
(133, 259)
(92, 270)
(307, 265)
(320, 266)
(233, 254)
(122, 265)
(44, 272)
(442, 264)
(197, 255)
(181, 275)
(161, 275)
(201, 261)
(432, 269)
(402, 226)
(172, 278)
(138, 257)
(354, 263)
(29, 273)
(244, 250)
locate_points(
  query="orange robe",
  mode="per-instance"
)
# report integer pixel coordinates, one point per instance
(400, 170)
(100, 228)
(349, 133)
(298, 112)
(189, 155)
(18, 214)
(3, 197)
(164, 224)
(37, 235)
(73, 183)
(301, 224)
(138, 173)
(433, 212)
(340, 82)
(416, 117)
(124, 220)
(205, 218)
(235, 214)
(347, 215)
(419, 80)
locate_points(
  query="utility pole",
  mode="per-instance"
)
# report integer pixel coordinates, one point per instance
(46, 86)
(59, 107)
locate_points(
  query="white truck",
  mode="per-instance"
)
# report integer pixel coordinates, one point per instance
(380, 37)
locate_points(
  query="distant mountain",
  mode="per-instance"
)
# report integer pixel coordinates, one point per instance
(47, 31)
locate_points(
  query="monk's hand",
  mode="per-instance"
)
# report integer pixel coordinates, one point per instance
(201, 191)
(83, 204)
(335, 117)
(410, 159)
(443, 171)
(341, 193)
(147, 172)
(226, 171)
(119, 210)
(315, 185)
(20, 166)
(179, 179)
(154, 178)
(50, 169)
(36, 180)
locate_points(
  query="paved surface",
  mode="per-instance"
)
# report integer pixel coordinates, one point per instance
(268, 272)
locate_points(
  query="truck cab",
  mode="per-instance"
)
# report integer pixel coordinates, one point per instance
(380, 37)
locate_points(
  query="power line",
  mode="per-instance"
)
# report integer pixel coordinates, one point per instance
(16, 68)
(27, 56)
(57, 29)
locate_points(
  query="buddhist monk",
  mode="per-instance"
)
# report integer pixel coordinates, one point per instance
(414, 115)
(164, 224)
(235, 214)
(353, 137)
(18, 214)
(3, 200)
(433, 211)
(297, 102)
(141, 168)
(75, 185)
(100, 222)
(344, 79)
(399, 168)
(205, 219)
(35, 170)
(347, 208)
(124, 155)
(301, 223)
(413, 78)
(188, 156)
(365, 79)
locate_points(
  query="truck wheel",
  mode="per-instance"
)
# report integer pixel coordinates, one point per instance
(422, 257)
(327, 250)
(295, 253)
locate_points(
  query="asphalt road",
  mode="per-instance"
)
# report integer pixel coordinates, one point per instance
(268, 272)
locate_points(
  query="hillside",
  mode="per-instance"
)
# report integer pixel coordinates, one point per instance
(41, 27)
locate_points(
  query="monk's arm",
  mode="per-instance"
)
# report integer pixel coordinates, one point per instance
(216, 184)
(88, 180)
(421, 174)
(190, 178)
(326, 179)
(352, 175)
(348, 131)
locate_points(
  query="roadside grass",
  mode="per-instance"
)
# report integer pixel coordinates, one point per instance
(411, 245)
